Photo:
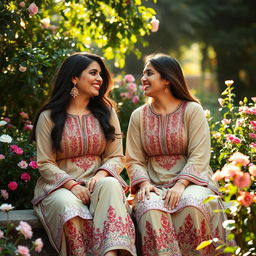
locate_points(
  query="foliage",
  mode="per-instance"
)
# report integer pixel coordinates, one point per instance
(35, 41)
(17, 162)
(128, 95)
(225, 31)
(234, 163)
(11, 237)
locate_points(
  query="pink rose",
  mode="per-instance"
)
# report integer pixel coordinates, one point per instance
(16, 149)
(229, 171)
(245, 198)
(22, 69)
(4, 194)
(28, 127)
(251, 111)
(23, 164)
(33, 165)
(252, 135)
(1, 234)
(7, 119)
(154, 25)
(252, 170)
(129, 78)
(38, 245)
(22, 4)
(239, 123)
(25, 176)
(45, 23)
(221, 101)
(216, 135)
(135, 99)
(24, 115)
(242, 180)
(32, 9)
(253, 145)
(253, 124)
(226, 121)
(217, 175)
(13, 185)
(23, 250)
(233, 139)
(132, 87)
(25, 229)
(243, 109)
(253, 99)
(239, 158)
(2, 157)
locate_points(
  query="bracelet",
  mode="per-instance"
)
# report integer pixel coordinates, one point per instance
(182, 183)
(77, 183)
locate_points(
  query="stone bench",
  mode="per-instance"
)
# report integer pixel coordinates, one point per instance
(38, 231)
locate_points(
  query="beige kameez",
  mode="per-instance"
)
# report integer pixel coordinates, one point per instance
(104, 224)
(163, 149)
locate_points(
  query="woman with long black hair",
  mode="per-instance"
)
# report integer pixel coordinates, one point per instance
(79, 196)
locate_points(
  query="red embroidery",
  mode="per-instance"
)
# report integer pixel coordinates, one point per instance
(166, 161)
(84, 162)
(96, 140)
(72, 138)
(151, 131)
(79, 242)
(115, 230)
(162, 241)
(189, 237)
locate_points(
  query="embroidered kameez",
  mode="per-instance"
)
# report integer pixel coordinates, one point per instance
(162, 149)
(73, 227)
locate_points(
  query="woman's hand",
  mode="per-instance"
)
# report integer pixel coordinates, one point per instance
(92, 181)
(82, 193)
(145, 189)
(173, 195)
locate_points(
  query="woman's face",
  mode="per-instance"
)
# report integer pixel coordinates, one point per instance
(152, 82)
(90, 80)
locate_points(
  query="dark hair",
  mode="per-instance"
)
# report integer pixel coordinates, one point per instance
(170, 69)
(100, 106)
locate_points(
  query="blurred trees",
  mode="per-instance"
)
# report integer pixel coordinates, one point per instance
(34, 43)
(225, 28)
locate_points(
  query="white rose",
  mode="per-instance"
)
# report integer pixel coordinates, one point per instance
(6, 207)
(5, 138)
(2, 123)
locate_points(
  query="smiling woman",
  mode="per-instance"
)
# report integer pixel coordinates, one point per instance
(80, 157)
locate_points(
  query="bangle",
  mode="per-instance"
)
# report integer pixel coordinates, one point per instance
(182, 183)
(77, 183)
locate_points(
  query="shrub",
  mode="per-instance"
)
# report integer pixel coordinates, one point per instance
(234, 163)
(17, 162)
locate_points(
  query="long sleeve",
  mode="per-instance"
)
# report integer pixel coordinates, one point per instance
(113, 158)
(135, 154)
(199, 146)
(46, 158)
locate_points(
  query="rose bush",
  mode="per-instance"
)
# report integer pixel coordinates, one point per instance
(128, 95)
(11, 237)
(17, 161)
(233, 160)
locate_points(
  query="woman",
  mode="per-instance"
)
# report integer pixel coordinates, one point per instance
(79, 197)
(168, 153)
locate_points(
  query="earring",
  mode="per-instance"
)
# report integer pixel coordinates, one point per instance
(74, 91)
(166, 89)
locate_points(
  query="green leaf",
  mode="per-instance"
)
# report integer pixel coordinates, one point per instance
(203, 244)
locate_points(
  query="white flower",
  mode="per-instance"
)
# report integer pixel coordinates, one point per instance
(2, 123)
(5, 138)
(6, 207)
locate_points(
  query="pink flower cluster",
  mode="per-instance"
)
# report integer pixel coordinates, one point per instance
(16, 149)
(233, 172)
(131, 89)
(247, 110)
(25, 229)
(233, 139)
